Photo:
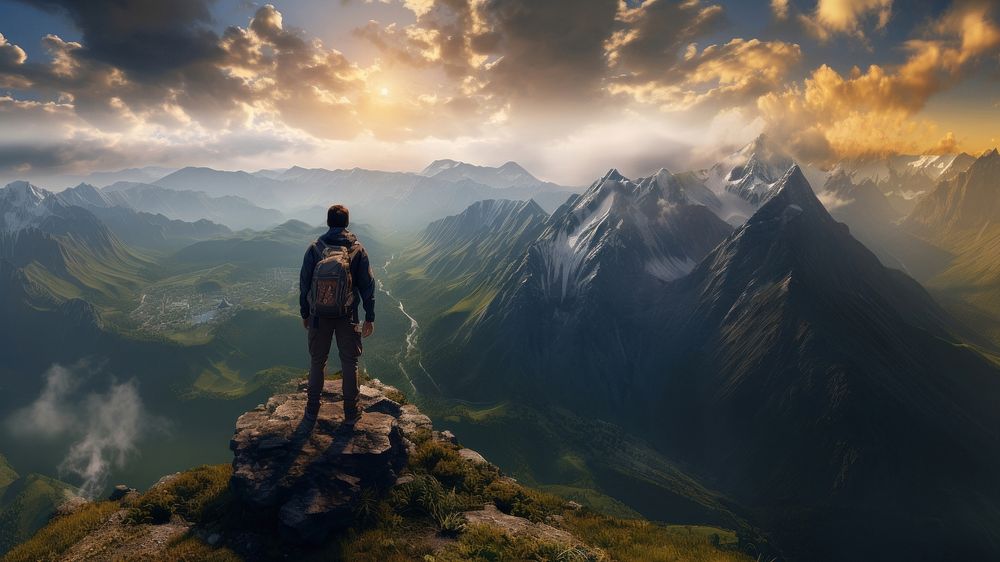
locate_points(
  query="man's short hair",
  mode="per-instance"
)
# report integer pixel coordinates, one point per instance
(338, 216)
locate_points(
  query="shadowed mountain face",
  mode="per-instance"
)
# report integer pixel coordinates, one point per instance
(581, 285)
(486, 236)
(832, 391)
(789, 369)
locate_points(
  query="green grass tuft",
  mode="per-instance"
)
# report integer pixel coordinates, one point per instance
(190, 495)
(61, 533)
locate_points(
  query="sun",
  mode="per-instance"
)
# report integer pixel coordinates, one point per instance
(384, 92)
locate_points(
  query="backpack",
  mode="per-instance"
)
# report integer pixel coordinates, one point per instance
(332, 292)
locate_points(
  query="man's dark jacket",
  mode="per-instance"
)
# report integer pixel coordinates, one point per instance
(361, 274)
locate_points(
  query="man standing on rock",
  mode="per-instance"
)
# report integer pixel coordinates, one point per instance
(335, 276)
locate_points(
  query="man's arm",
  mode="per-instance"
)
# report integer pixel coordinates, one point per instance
(305, 281)
(365, 282)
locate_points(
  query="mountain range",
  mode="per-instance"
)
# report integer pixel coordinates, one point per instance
(960, 217)
(722, 346)
(784, 364)
(393, 200)
(906, 178)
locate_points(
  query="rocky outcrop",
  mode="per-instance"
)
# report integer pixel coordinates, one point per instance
(314, 474)
(519, 526)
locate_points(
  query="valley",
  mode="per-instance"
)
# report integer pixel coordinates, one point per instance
(494, 320)
(178, 305)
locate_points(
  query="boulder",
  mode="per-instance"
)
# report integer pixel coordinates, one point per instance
(520, 527)
(313, 475)
(472, 456)
(119, 492)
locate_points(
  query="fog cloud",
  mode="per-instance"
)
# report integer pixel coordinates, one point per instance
(104, 427)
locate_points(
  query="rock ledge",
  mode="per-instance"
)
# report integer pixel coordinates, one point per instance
(313, 475)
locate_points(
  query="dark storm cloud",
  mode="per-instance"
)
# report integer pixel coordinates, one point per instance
(134, 56)
(21, 158)
(147, 38)
(547, 50)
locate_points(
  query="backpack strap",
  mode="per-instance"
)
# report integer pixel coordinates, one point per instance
(319, 245)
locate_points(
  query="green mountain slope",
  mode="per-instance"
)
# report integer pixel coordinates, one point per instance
(27, 504)
(7, 472)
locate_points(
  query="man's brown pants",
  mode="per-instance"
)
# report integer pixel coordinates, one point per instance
(322, 331)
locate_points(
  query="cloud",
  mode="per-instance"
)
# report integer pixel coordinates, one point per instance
(873, 111)
(155, 74)
(158, 83)
(832, 201)
(46, 415)
(780, 9)
(513, 59)
(844, 16)
(655, 59)
(720, 76)
(947, 145)
(105, 427)
(654, 37)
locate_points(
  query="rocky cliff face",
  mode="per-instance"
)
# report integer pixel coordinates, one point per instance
(314, 474)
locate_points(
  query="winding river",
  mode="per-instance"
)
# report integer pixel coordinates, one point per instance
(409, 354)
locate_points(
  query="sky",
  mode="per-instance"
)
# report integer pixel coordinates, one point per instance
(567, 88)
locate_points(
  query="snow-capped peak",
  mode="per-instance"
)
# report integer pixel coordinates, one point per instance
(649, 226)
(84, 195)
(22, 194)
(23, 205)
(613, 175)
(438, 166)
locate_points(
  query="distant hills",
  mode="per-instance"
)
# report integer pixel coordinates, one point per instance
(510, 174)
(394, 200)
(969, 200)
(232, 211)
(962, 217)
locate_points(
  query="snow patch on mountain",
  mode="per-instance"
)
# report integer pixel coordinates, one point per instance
(655, 225)
(667, 268)
(567, 252)
(23, 205)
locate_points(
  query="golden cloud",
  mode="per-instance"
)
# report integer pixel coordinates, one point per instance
(872, 111)
(844, 16)
(727, 75)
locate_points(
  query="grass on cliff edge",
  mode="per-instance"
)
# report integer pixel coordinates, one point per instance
(420, 520)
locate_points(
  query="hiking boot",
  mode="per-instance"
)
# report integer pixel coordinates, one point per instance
(311, 413)
(351, 412)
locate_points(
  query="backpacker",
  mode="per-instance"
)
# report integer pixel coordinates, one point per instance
(332, 291)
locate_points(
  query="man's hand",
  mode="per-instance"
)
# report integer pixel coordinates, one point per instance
(305, 323)
(368, 329)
